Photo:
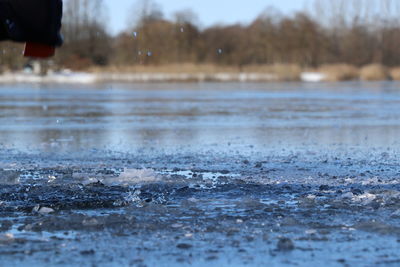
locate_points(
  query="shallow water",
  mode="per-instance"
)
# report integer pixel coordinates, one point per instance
(200, 174)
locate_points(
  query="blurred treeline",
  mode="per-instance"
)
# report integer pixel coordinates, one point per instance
(354, 32)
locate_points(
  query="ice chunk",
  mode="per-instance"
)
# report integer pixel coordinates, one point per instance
(396, 214)
(9, 176)
(311, 232)
(348, 195)
(135, 176)
(42, 210)
(371, 181)
(6, 238)
(45, 210)
(365, 199)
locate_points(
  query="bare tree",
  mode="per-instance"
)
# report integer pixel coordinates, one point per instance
(145, 11)
(86, 37)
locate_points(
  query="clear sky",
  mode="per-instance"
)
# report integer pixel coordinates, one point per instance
(209, 11)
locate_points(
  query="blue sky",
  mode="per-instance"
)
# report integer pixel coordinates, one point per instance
(209, 11)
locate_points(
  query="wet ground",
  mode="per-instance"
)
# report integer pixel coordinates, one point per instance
(216, 174)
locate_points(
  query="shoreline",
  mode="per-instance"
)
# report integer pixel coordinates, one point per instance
(69, 77)
(104, 77)
(205, 73)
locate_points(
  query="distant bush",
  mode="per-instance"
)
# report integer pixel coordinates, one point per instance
(395, 73)
(339, 72)
(167, 68)
(282, 72)
(374, 72)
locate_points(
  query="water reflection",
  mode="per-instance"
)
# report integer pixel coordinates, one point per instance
(125, 117)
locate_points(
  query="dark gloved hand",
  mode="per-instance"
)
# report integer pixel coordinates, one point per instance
(37, 21)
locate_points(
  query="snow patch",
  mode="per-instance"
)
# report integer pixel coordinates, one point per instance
(56, 77)
(312, 77)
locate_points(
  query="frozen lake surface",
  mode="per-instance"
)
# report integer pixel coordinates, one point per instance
(219, 174)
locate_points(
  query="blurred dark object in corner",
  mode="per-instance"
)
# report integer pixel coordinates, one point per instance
(37, 23)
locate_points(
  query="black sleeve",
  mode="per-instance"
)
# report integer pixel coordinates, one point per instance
(31, 21)
(5, 14)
